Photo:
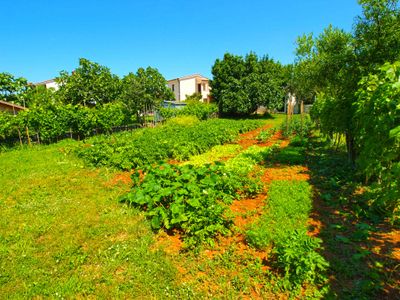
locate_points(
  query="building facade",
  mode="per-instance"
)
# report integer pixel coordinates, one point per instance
(188, 85)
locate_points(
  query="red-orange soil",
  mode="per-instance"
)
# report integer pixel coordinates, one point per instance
(249, 138)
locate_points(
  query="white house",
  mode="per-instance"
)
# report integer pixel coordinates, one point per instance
(188, 85)
(51, 83)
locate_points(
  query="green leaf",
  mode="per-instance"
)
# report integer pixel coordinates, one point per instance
(194, 202)
(395, 132)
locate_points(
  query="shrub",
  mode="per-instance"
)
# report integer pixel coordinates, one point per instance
(202, 111)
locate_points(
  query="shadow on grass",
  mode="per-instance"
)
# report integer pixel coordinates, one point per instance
(357, 244)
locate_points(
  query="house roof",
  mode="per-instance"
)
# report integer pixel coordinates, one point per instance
(11, 105)
(45, 82)
(190, 77)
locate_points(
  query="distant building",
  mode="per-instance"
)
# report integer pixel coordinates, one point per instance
(188, 85)
(51, 83)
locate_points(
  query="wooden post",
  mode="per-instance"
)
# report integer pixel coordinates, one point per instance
(19, 135)
(27, 135)
(301, 115)
(19, 131)
(287, 113)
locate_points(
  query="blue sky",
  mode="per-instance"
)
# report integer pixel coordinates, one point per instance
(41, 38)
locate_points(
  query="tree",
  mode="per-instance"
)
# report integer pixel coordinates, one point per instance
(41, 96)
(90, 84)
(12, 89)
(377, 118)
(332, 64)
(240, 85)
(333, 77)
(377, 34)
(146, 88)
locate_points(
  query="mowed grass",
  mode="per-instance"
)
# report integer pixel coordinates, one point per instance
(64, 234)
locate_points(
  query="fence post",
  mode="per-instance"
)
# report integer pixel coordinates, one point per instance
(19, 135)
(27, 135)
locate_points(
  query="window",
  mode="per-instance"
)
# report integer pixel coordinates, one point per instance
(173, 87)
(198, 88)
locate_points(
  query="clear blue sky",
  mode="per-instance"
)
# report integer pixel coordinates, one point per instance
(179, 37)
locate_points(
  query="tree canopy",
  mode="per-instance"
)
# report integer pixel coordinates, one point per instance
(90, 84)
(12, 89)
(331, 65)
(145, 88)
(241, 84)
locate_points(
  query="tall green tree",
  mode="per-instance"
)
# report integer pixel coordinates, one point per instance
(241, 84)
(12, 89)
(90, 84)
(146, 88)
(332, 64)
(377, 34)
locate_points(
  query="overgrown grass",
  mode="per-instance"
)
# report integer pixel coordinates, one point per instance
(288, 206)
(64, 235)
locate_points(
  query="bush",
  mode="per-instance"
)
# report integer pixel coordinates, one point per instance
(378, 136)
(202, 111)
(54, 121)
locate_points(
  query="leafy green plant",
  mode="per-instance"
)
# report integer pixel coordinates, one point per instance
(378, 135)
(53, 121)
(171, 141)
(190, 199)
(265, 135)
(300, 126)
(183, 120)
(214, 154)
(298, 258)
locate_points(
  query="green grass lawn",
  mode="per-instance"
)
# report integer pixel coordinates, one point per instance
(64, 234)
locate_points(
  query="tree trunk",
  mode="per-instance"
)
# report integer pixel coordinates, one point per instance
(351, 149)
